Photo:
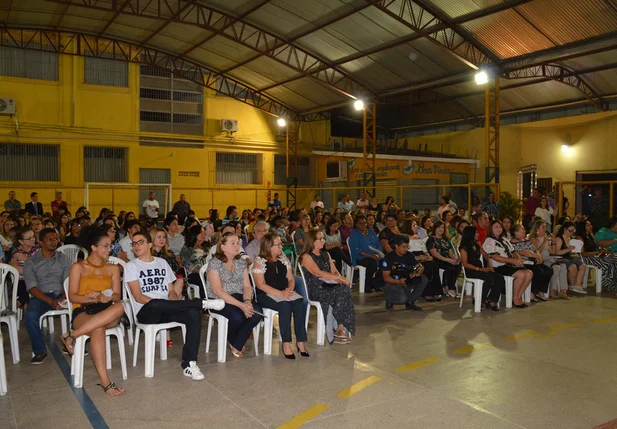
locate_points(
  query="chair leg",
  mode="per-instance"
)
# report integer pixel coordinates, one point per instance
(586, 276)
(63, 319)
(527, 295)
(162, 338)
(598, 280)
(13, 326)
(477, 294)
(256, 331)
(50, 322)
(122, 355)
(460, 305)
(268, 328)
(509, 290)
(210, 322)
(308, 313)
(321, 327)
(136, 346)
(3, 384)
(78, 362)
(108, 351)
(222, 340)
(362, 274)
(150, 335)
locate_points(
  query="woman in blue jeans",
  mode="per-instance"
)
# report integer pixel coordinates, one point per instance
(276, 290)
(228, 279)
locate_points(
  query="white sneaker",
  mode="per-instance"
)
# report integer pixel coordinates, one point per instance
(578, 289)
(213, 304)
(193, 371)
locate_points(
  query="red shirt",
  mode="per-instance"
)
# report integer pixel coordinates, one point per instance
(55, 205)
(481, 234)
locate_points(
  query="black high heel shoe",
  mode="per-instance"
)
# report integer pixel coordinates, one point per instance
(491, 307)
(291, 356)
(303, 354)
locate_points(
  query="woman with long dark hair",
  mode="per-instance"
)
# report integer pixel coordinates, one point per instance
(440, 248)
(194, 255)
(534, 262)
(475, 260)
(563, 247)
(335, 247)
(593, 255)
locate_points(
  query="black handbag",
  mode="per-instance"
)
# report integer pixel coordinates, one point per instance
(96, 307)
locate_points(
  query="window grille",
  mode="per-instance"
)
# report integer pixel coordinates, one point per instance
(29, 64)
(105, 164)
(241, 168)
(29, 162)
(99, 71)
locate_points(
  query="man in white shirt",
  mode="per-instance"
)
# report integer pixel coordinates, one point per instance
(316, 202)
(362, 203)
(151, 207)
(132, 227)
(346, 204)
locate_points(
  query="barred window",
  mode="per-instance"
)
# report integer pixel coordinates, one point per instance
(105, 164)
(154, 71)
(146, 116)
(29, 64)
(280, 170)
(29, 162)
(100, 71)
(155, 94)
(241, 168)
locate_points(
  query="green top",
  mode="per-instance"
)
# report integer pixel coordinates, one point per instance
(607, 234)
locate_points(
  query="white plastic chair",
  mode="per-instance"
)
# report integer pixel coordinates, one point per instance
(11, 320)
(223, 324)
(72, 251)
(321, 321)
(350, 269)
(3, 384)
(128, 308)
(268, 322)
(470, 284)
(152, 333)
(77, 360)
(598, 273)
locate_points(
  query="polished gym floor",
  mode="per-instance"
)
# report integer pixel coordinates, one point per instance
(549, 366)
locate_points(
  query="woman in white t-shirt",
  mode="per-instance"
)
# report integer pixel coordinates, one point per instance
(155, 300)
(545, 211)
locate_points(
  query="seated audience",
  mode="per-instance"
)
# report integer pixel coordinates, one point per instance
(151, 281)
(335, 247)
(507, 223)
(95, 293)
(6, 239)
(372, 223)
(595, 256)
(228, 280)
(404, 281)
(160, 250)
(194, 255)
(386, 235)
(417, 247)
(607, 235)
(533, 261)
(24, 248)
(476, 267)
(174, 236)
(346, 228)
(74, 233)
(440, 248)
(360, 243)
(116, 249)
(275, 285)
(506, 262)
(563, 247)
(326, 285)
(545, 211)
(542, 242)
(131, 227)
(44, 273)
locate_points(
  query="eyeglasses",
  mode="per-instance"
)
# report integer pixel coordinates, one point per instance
(28, 239)
(571, 231)
(138, 243)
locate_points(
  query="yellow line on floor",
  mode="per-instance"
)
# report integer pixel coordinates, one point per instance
(609, 320)
(416, 365)
(566, 326)
(523, 335)
(304, 417)
(469, 349)
(361, 385)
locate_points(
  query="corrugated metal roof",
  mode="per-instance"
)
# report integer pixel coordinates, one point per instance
(456, 8)
(605, 81)
(589, 61)
(544, 93)
(566, 21)
(507, 34)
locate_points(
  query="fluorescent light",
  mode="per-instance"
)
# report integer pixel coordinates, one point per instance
(481, 78)
(358, 105)
(282, 122)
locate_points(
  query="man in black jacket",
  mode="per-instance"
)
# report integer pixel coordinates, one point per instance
(34, 207)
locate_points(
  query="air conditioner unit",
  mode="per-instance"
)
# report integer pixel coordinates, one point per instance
(7, 106)
(229, 125)
(336, 171)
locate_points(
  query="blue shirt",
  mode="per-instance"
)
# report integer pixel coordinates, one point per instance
(359, 243)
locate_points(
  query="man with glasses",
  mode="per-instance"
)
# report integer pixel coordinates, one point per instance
(44, 274)
(403, 275)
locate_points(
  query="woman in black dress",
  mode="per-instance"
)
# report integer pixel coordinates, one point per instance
(326, 285)
(440, 248)
(471, 253)
(275, 285)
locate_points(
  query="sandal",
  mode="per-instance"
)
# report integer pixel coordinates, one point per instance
(341, 340)
(452, 293)
(70, 346)
(237, 353)
(112, 386)
(564, 295)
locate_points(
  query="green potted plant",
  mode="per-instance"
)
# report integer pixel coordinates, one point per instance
(510, 206)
